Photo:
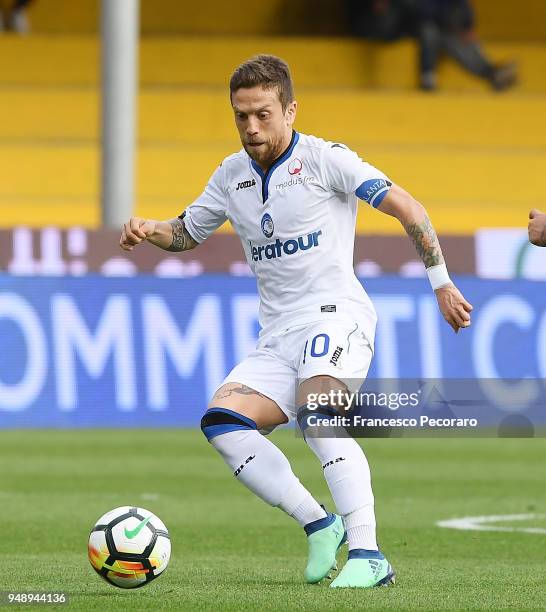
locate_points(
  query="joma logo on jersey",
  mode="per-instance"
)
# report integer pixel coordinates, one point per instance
(336, 355)
(245, 184)
(288, 247)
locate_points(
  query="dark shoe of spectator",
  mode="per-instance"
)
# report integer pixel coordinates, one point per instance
(428, 81)
(17, 21)
(504, 76)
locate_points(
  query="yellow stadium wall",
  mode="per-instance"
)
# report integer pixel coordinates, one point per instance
(475, 158)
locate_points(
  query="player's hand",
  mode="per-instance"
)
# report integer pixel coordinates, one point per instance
(455, 309)
(537, 227)
(135, 231)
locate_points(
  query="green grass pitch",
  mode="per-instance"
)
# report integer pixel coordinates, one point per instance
(233, 552)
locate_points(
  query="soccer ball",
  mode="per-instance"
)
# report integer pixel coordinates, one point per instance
(129, 547)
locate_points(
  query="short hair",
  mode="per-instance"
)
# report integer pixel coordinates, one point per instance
(269, 71)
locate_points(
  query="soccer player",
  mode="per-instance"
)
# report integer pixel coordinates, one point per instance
(537, 228)
(292, 199)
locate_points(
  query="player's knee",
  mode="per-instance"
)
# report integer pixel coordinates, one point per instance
(218, 421)
(315, 417)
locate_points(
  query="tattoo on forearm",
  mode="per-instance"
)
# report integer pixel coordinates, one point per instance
(426, 242)
(182, 241)
(240, 390)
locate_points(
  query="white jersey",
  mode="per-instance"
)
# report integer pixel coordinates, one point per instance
(296, 223)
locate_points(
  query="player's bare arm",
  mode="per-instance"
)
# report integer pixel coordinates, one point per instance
(537, 228)
(413, 216)
(168, 235)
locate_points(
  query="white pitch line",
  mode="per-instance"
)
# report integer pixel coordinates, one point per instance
(480, 523)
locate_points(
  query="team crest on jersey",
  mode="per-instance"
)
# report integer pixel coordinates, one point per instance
(267, 225)
(295, 166)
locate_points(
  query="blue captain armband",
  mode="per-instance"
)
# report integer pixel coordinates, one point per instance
(373, 191)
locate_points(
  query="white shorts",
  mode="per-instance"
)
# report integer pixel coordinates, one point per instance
(284, 358)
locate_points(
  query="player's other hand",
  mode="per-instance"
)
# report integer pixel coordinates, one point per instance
(455, 309)
(537, 227)
(135, 231)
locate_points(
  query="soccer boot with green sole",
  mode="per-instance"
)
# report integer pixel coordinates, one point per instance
(324, 536)
(364, 569)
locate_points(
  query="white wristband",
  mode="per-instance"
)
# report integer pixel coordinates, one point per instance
(438, 276)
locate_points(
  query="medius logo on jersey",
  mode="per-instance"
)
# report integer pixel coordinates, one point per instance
(296, 180)
(295, 168)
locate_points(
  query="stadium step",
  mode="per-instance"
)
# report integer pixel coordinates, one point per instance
(325, 63)
(187, 117)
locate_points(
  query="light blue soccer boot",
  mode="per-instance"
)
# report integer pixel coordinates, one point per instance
(324, 536)
(365, 569)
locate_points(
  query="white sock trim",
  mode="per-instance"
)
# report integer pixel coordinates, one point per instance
(360, 526)
(362, 536)
(308, 511)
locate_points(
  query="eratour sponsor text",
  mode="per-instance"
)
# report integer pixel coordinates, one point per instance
(288, 247)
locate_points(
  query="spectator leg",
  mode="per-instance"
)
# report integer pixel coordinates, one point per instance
(468, 54)
(430, 44)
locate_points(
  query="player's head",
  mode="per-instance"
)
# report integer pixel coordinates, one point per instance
(262, 96)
